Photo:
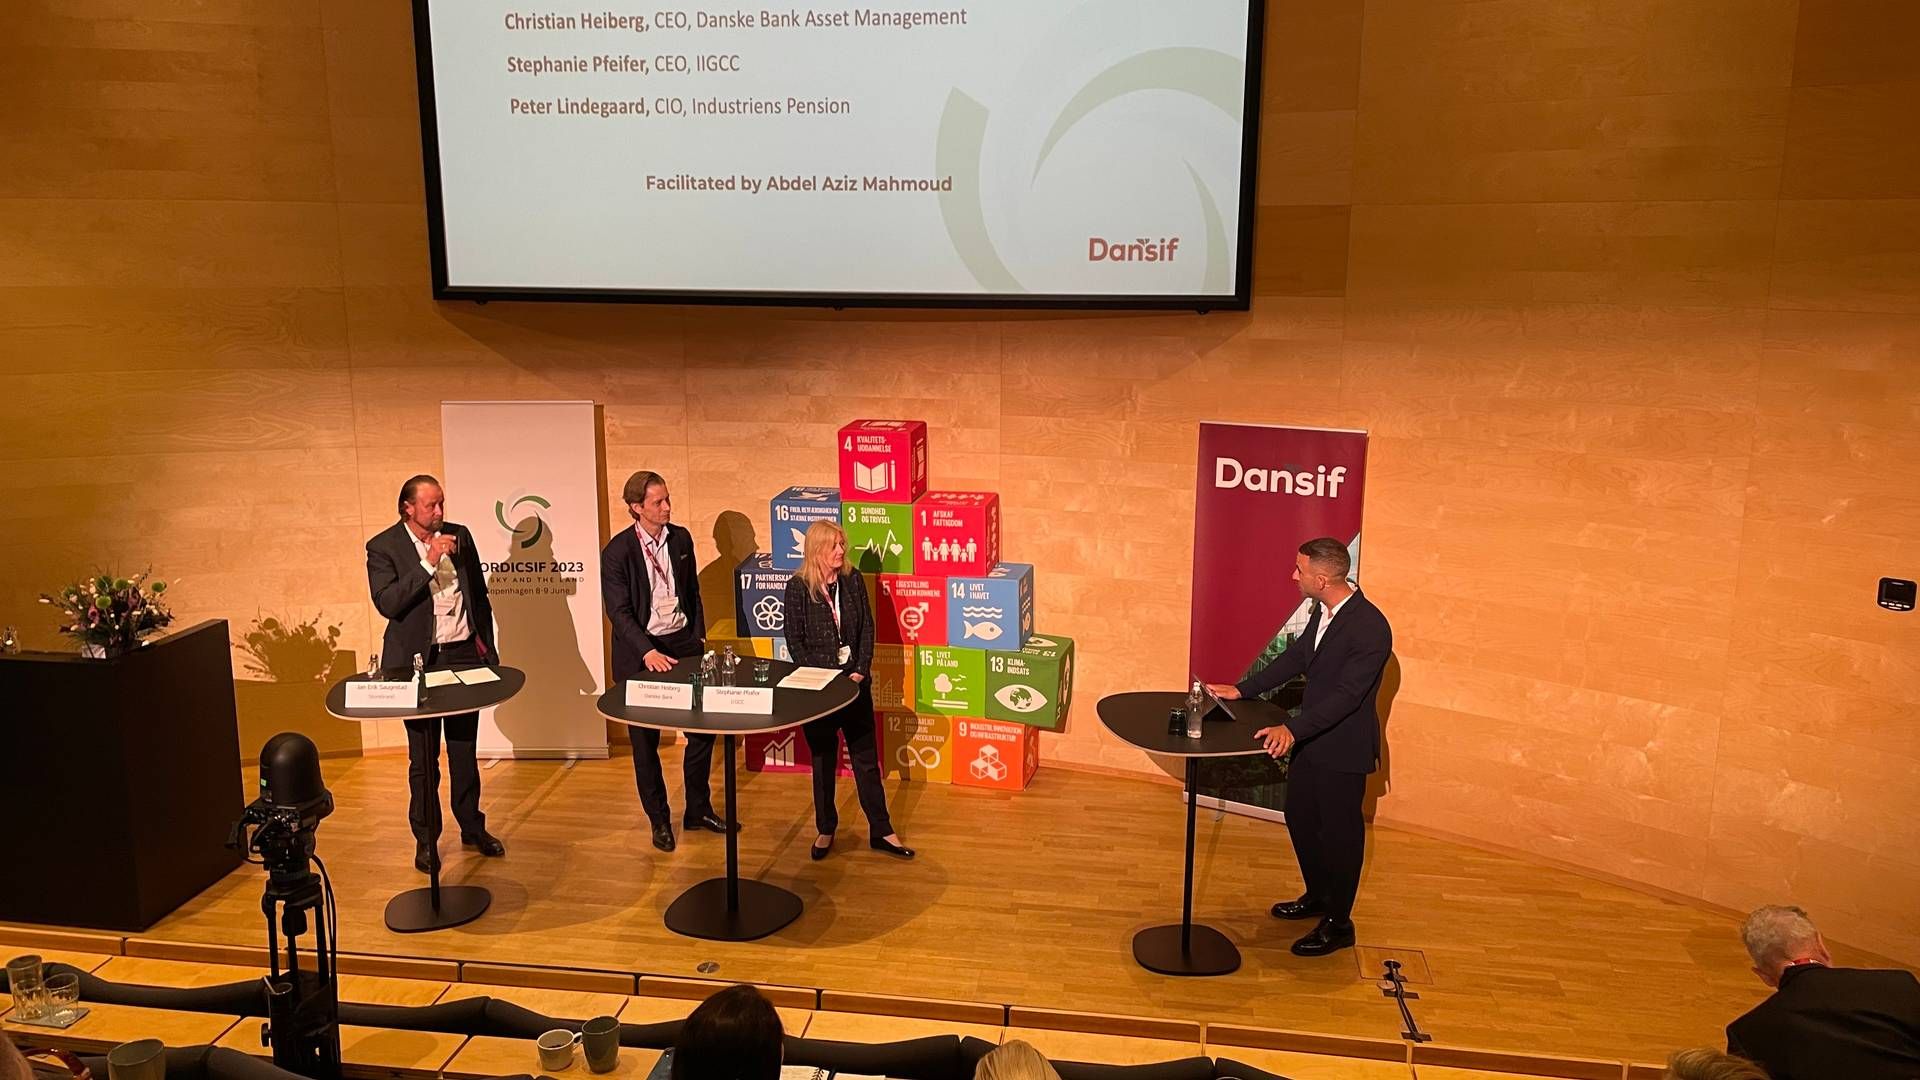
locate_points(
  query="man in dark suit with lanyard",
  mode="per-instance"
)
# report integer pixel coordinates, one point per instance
(1335, 740)
(426, 579)
(651, 586)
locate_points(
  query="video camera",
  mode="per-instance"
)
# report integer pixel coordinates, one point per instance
(291, 805)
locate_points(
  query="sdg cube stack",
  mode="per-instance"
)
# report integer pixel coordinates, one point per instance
(962, 685)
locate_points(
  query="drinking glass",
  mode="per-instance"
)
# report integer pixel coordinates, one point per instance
(63, 996)
(26, 981)
(762, 671)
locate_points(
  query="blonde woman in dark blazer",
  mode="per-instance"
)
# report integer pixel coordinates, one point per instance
(829, 625)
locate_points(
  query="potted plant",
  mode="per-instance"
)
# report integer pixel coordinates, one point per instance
(110, 615)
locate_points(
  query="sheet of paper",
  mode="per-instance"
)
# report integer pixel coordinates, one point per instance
(476, 676)
(441, 678)
(808, 678)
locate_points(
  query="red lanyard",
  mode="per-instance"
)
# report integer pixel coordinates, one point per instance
(655, 563)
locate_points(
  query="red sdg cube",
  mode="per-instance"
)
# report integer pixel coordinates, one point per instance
(910, 610)
(883, 461)
(956, 533)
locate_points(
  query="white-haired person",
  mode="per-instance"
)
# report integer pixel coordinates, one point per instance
(1823, 1021)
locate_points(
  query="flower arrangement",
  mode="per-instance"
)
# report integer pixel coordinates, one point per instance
(281, 651)
(111, 614)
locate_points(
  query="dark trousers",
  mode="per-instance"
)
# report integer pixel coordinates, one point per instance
(423, 759)
(823, 736)
(694, 765)
(1329, 833)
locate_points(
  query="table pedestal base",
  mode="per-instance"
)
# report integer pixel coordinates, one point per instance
(414, 911)
(1208, 951)
(702, 910)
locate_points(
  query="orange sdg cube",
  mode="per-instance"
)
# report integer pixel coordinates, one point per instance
(994, 754)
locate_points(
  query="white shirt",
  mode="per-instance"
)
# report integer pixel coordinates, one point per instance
(449, 607)
(1326, 618)
(666, 616)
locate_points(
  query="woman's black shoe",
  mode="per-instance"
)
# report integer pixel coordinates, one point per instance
(820, 850)
(898, 851)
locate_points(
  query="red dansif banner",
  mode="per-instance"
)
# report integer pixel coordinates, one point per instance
(1260, 493)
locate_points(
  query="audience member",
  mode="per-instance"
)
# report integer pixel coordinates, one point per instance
(1823, 1021)
(1015, 1060)
(1706, 1063)
(733, 1035)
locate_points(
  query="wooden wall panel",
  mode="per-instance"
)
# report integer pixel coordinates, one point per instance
(1627, 292)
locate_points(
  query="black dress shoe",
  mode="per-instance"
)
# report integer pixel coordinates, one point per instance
(1324, 939)
(898, 851)
(708, 822)
(423, 855)
(663, 837)
(1304, 908)
(819, 850)
(489, 844)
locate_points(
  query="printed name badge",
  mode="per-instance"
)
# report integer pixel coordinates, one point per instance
(845, 654)
(642, 694)
(364, 694)
(753, 700)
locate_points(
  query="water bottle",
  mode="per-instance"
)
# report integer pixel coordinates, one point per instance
(373, 666)
(1196, 698)
(420, 675)
(729, 663)
(695, 680)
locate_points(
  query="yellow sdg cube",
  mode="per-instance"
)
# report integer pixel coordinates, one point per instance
(917, 747)
(892, 677)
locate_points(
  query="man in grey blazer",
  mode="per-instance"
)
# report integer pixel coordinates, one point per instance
(425, 578)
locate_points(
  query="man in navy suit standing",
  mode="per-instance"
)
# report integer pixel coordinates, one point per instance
(650, 583)
(1335, 741)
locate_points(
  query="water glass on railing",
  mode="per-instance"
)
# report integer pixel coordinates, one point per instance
(26, 981)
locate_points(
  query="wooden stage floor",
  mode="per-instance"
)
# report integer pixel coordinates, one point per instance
(1031, 899)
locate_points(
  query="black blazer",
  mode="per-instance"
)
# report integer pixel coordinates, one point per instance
(1338, 728)
(811, 635)
(1834, 1022)
(399, 585)
(626, 588)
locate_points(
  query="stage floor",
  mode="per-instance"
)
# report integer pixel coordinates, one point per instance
(1031, 899)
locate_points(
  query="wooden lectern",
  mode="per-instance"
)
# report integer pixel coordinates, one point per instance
(117, 786)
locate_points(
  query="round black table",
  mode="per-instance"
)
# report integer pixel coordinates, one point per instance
(434, 907)
(1141, 719)
(727, 908)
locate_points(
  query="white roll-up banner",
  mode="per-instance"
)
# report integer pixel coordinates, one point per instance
(524, 477)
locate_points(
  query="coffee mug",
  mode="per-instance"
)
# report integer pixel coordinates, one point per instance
(600, 1037)
(556, 1049)
(145, 1059)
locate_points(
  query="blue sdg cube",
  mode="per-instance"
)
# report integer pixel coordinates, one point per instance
(759, 597)
(992, 612)
(792, 511)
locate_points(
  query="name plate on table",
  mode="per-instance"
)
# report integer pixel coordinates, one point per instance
(380, 694)
(642, 694)
(754, 700)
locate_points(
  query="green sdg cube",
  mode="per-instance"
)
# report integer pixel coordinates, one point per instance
(879, 536)
(950, 681)
(1033, 686)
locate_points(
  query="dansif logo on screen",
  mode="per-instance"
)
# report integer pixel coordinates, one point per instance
(1140, 250)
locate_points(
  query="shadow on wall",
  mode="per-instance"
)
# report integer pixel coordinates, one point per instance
(1381, 782)
(289, 667)
(537, 635)
(734, 539)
